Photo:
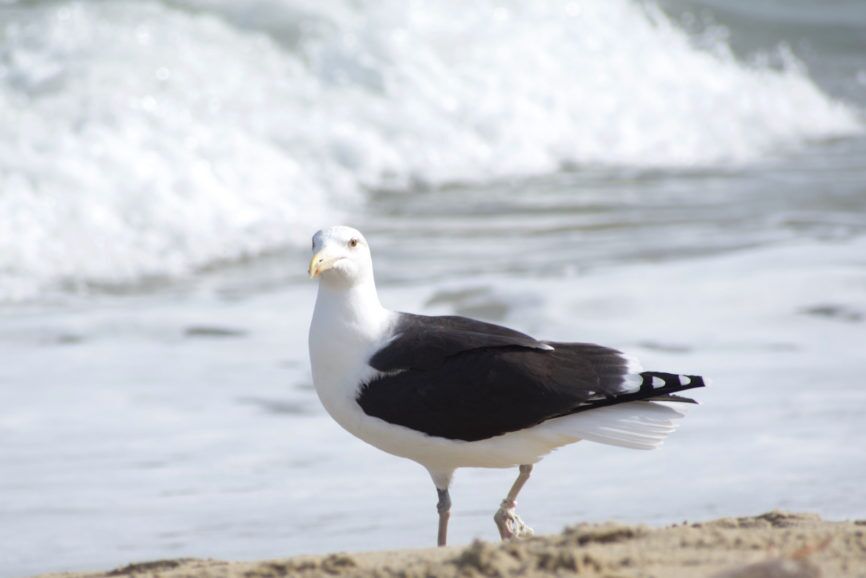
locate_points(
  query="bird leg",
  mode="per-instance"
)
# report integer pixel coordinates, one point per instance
(510, 526)
(444, 509)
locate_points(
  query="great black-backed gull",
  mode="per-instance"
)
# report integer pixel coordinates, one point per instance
(451, 392)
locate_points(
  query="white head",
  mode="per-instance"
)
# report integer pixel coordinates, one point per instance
(341, 257)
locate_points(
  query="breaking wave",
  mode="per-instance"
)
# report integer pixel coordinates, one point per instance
(152, 139)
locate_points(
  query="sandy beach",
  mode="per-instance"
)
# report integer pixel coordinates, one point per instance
(771, 545)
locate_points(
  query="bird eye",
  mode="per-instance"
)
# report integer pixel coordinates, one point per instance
(353, 243)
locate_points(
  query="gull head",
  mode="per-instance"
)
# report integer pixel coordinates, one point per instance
(341, 256)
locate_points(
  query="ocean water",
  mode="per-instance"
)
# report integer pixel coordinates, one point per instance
(682, 180)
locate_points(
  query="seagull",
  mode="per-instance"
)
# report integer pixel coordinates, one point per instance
(452, 392)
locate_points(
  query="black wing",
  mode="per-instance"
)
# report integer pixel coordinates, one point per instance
(423, 342)
(458, 378)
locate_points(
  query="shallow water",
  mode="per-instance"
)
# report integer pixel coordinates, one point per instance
(664, 193)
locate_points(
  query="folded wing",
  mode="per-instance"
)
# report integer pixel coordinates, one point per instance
(458, 378)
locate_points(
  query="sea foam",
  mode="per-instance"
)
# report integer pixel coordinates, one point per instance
(145, 140)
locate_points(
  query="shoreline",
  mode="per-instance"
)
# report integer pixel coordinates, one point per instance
(774, 544)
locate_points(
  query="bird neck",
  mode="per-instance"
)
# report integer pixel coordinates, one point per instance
(354, 307)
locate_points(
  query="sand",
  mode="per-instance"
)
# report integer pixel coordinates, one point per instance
(772, 545)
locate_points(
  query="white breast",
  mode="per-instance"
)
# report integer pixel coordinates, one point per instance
(346, 329)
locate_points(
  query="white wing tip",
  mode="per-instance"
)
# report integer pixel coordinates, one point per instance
(632, 365)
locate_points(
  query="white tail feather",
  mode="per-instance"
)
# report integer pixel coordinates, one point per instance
(639, 425)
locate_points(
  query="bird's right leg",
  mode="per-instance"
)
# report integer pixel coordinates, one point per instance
(444, 509)
(510, 526)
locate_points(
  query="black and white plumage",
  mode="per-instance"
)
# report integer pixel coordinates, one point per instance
(452, 392)
(463, 379)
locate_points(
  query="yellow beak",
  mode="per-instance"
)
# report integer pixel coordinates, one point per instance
(321, 262)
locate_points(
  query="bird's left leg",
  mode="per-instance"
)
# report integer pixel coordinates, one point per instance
(510, 526)
(444, 509)
(442, 481)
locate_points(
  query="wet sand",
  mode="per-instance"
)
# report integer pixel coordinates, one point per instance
(775, 544)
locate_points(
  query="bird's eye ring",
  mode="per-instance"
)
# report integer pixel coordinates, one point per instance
(353, 243)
